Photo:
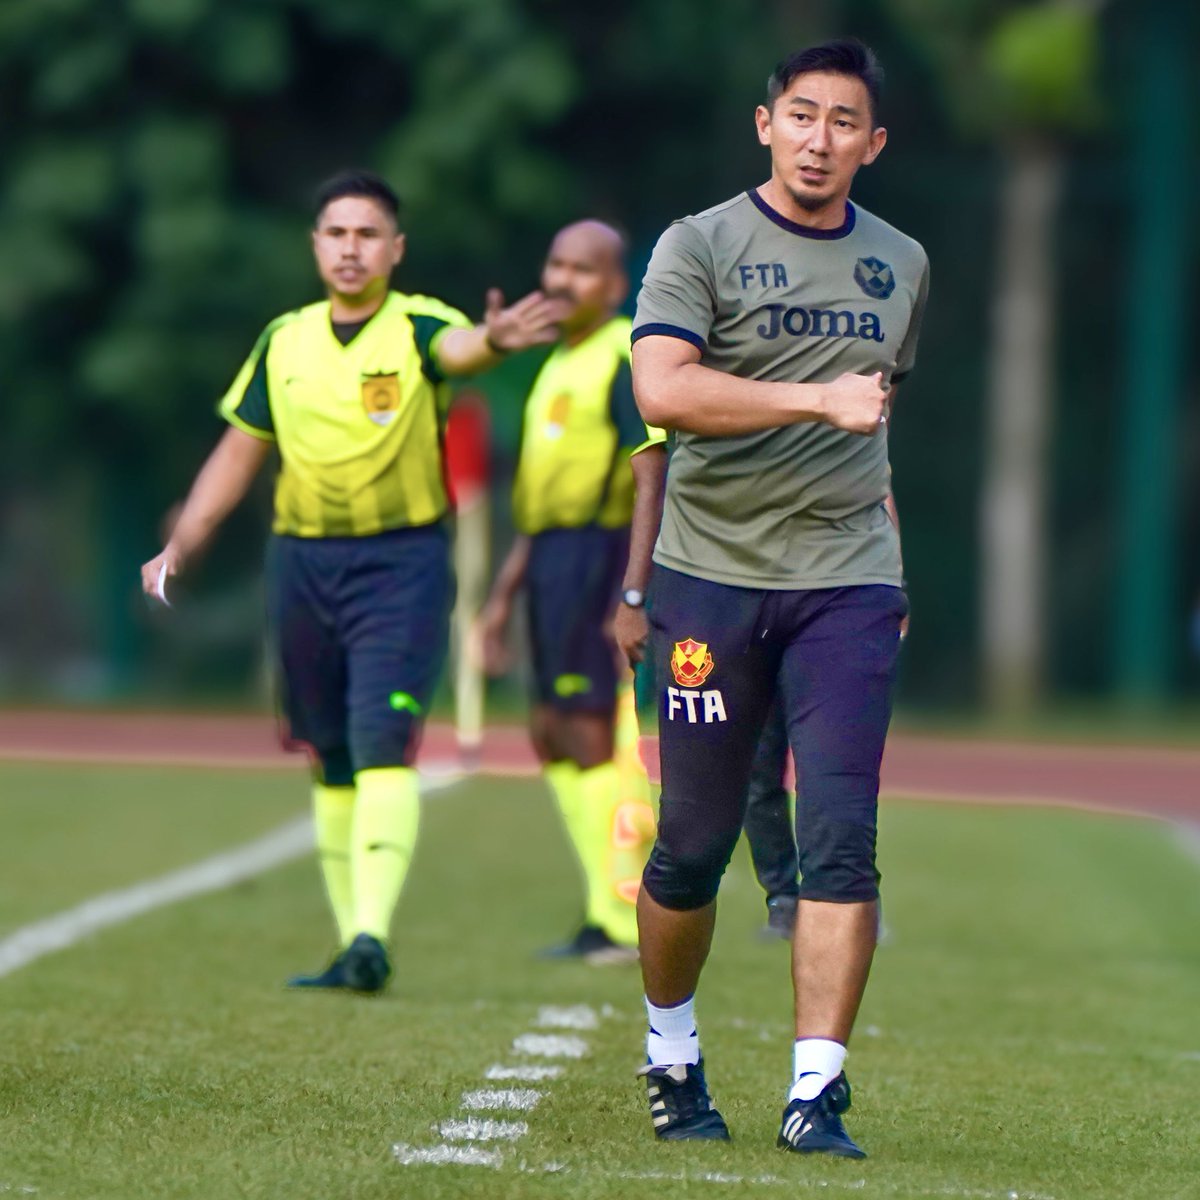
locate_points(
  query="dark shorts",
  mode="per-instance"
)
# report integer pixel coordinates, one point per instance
(722, 654)
(573, 584)
(359, 627)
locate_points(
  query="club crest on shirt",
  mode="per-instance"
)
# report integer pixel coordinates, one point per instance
(381, 397)
(691, 663)
(557, 414)
(875, 278)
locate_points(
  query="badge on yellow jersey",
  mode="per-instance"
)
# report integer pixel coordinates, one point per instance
(381, 397)
(691, 663)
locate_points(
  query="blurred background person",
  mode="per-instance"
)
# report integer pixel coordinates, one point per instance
(359, 585)
(572, 504)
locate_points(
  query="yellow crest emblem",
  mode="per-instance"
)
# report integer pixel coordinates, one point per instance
(691, 663)
(381, 397)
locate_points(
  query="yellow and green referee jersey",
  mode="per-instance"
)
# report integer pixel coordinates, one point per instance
(580, 427)
(359, 426)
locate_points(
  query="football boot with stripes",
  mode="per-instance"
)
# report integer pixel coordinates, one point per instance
(815, 1126)
(680, 1105)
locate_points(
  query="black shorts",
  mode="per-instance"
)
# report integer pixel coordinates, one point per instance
(360, 628)
(573, 584)
(721, 655)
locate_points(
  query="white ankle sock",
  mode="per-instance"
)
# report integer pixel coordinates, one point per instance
(815, 1062)
(672, 1037)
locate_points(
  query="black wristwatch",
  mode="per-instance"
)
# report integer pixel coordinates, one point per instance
(633, 597)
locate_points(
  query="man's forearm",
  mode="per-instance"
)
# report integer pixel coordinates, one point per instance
(467, 351)
(512, 572)
(220, 485)
(697, 399)
(649, 476)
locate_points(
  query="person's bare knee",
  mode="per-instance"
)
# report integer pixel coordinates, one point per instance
(587, 738)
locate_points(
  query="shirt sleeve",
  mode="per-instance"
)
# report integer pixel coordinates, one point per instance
(678, 296)
(431, 321)
(247, 404)
(907, 357)
(654, 437)
(632, 431)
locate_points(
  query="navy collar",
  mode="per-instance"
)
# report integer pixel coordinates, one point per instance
(821, 235)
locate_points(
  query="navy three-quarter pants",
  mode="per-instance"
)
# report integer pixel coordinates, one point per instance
(360, 627)
(722, 654)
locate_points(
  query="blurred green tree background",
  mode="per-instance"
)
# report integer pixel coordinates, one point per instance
(154, 207)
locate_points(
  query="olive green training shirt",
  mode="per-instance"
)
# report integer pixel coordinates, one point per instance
(761, 297)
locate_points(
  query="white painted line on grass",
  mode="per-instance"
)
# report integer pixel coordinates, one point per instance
(439, 1156)
(549, 1045)
(223, 870)
(580, 1016)
(492, 1099)
(65, 929)
(1187, 837)
(530, 1074)
(476, 1130)
(797, 1183)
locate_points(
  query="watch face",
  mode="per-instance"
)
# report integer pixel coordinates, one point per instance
(633, 597)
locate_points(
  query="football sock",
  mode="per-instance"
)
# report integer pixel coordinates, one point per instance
(385, 831)
(562, 777)
(333, 816)
(815, 1063)
(633, 826)
(672, 1037)
(599, 800)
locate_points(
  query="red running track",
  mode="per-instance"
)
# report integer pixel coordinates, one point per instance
(1161, 782)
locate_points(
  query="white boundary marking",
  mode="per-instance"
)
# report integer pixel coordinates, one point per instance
(462, 1156)
(65, 929)
(549, 1045)
(1187, 837)
(492, 1099)
(531, 1074)
(475, 1130)
(579, 1016)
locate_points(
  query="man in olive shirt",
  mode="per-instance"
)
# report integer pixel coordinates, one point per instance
(770, 331)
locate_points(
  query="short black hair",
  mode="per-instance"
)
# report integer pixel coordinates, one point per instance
(846, 56)
(356, 183)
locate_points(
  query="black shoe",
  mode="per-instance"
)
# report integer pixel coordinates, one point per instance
(594, 946)
(334, 976)
(815, 1126)
(781, 918)
(366, 965)
(680, 1105)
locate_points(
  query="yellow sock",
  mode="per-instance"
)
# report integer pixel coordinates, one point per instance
(333, 815)
(563, 780)
(626, 827)
(385, 832)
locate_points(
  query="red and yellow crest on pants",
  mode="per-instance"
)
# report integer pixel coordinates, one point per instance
(691, 663)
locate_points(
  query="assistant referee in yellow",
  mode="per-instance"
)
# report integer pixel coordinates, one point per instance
(359, 586)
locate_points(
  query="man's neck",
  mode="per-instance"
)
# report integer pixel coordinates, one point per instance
(831, 214)
(576, 336)
(347, 310)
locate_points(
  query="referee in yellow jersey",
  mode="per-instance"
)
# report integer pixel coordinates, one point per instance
(572, 505)
(359, 586)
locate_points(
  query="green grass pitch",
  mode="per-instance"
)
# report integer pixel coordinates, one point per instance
(1031, 1025)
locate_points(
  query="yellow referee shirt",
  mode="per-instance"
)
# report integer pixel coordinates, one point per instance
(359, 426)
(581, 425)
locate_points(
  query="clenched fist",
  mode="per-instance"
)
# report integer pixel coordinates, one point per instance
(856, 403)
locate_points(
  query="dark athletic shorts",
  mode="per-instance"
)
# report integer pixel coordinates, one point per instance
(359, 626)
(573, 584)
(721, 655)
